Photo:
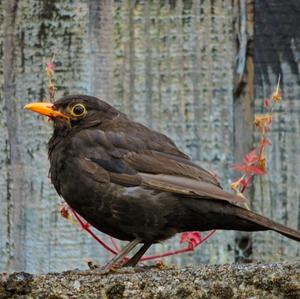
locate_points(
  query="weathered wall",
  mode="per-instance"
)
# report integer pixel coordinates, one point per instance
(276, 52)
(169, 64)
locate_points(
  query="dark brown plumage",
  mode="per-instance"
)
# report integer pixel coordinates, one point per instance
(132, 182)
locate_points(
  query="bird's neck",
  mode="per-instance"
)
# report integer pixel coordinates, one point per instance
(56, 148)
(60, 133)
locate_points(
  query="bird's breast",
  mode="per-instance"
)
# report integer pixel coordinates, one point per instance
(122, 212)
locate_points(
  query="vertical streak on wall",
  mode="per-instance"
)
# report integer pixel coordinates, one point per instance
(168, 86)
(196, 70)
(15, 166)
(179, 67)
(101, 48)
(157, 110)
(118, 55)
(4, 245)
(148, 65)
(243, 104)
(131, 67)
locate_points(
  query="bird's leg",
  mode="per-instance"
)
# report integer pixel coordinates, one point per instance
(135, 259)
(119, 257)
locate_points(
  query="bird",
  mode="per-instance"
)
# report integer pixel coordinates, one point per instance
(133, 183)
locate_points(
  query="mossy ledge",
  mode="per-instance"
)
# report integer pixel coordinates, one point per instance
(207, 281)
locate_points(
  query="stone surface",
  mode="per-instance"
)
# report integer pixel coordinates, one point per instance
(224, 281)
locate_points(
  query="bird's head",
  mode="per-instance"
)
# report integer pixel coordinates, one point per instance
(75, 110)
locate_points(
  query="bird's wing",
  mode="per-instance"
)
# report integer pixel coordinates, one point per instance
(189, 187)
(151, 161)
(148, 151)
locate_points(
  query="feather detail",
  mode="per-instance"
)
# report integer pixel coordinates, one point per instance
(189, 187)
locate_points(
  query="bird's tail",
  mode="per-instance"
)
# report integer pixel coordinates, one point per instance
(263, 223)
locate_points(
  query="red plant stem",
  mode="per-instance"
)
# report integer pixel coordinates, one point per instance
(113, 241)
(178, 251)
(248, 179)
(171, 252)
(208, 235)
(104, 244)
(262, 146)
(146, 258)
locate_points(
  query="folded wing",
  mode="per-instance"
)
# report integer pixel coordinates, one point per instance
(146, 158)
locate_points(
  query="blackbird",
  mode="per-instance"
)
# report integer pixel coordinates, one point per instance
(132, 182)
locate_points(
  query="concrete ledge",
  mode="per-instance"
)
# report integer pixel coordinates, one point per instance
(209, 281)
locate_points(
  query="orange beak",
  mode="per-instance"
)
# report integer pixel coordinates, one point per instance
(44, 109)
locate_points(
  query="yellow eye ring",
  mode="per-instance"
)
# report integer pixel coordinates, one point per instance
(78, 110)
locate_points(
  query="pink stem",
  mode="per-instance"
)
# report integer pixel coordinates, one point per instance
(178, 251)
(104, 244)
(146, 258)
(172, 252)
(113, 241)
(248, 179)
(208, 235)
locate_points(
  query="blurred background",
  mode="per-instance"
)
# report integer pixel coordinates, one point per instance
(197, 70)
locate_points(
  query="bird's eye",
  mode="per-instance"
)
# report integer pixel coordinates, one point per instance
(78, 110)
